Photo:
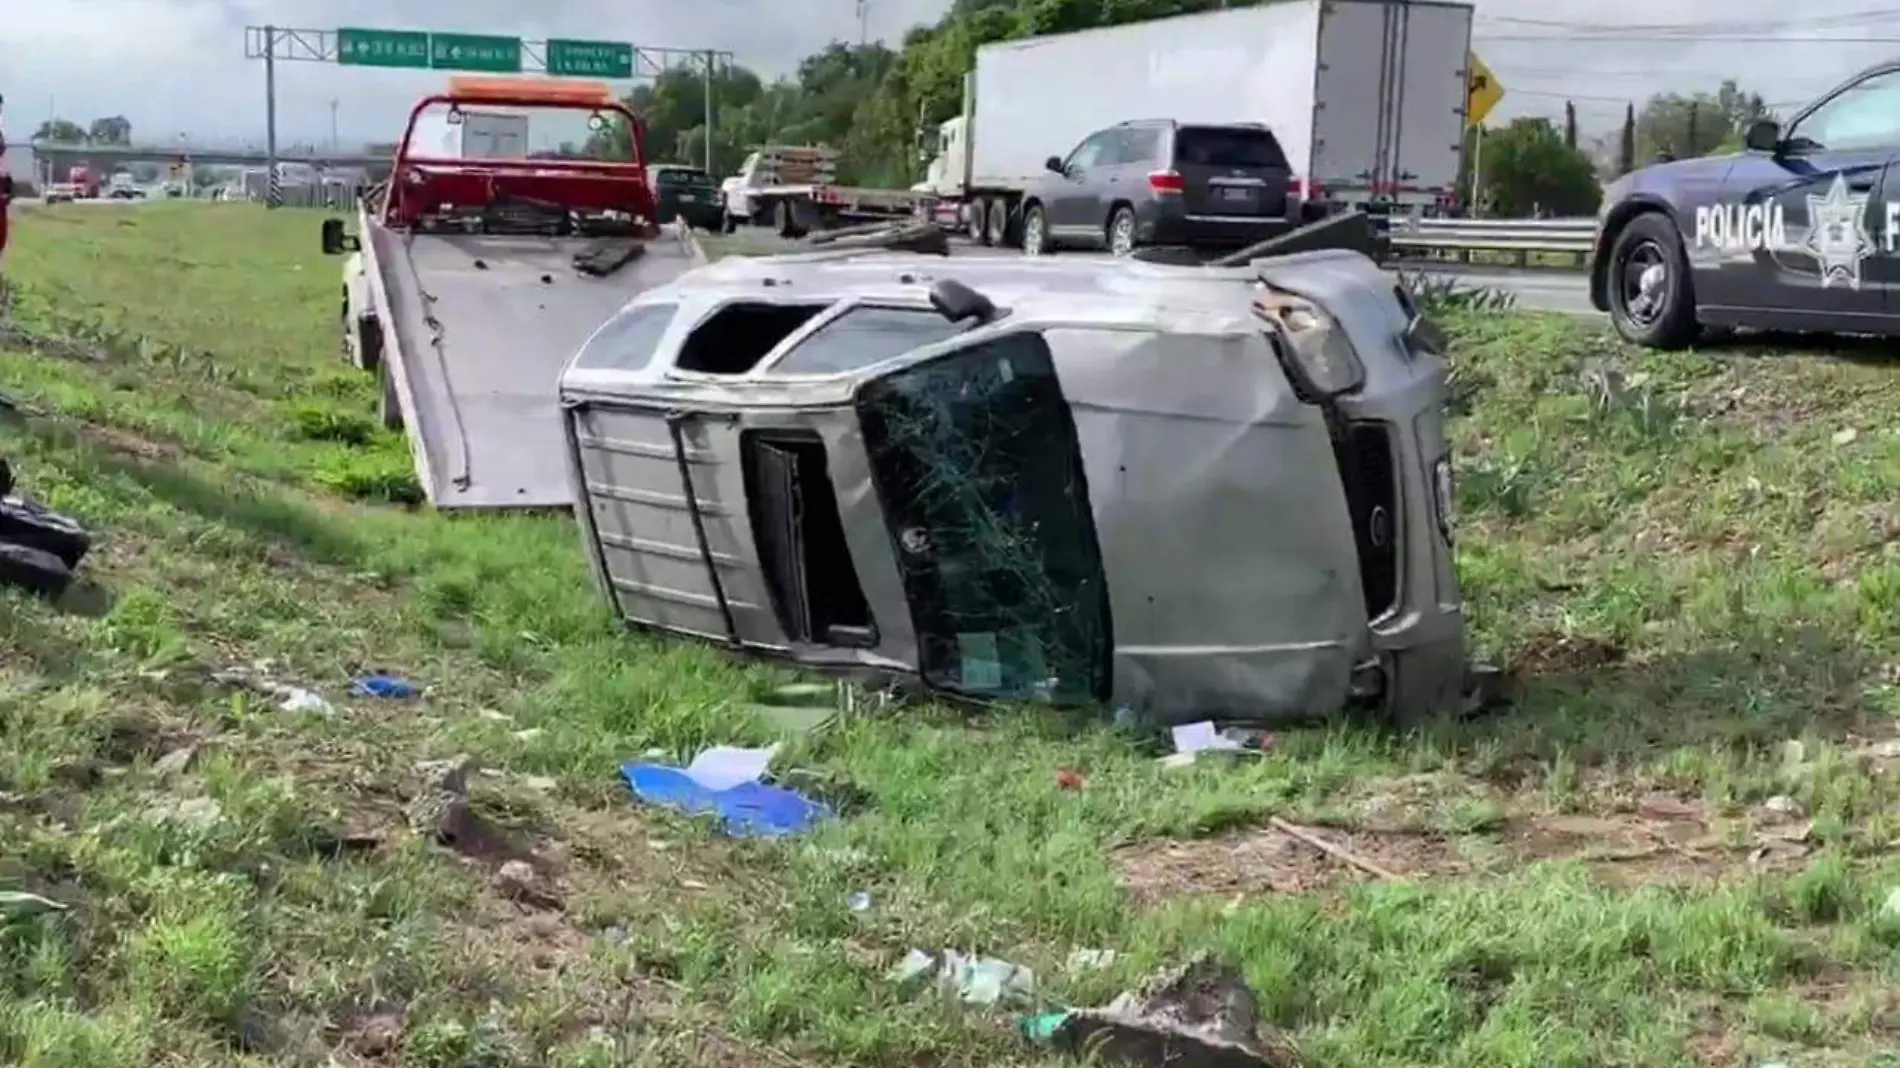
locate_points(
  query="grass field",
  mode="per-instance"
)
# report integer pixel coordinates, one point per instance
(1678, 850)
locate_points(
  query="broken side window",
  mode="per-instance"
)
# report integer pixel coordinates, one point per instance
(865, 335)
(977, 465)
(735, 338)
(628, 340)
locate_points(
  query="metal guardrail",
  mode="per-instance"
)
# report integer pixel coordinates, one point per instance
(1556, 244)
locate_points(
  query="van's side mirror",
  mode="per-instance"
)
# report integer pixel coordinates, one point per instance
(1054, 163)
(335, 241)
(1764, 135)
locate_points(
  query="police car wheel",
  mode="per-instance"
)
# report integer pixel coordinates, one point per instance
(1650, 300)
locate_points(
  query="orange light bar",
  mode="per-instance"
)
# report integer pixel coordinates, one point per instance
(531, 91)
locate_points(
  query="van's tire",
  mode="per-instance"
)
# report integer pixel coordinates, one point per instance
(1663, 317)
(388, 407)
(25, 522)
(34, 570)
(1119, 233)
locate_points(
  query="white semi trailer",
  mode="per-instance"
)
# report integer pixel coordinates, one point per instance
(1366, 97)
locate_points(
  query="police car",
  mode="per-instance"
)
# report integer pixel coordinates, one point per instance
(1800, 231)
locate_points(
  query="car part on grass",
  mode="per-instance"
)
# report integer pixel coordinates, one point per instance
(1201, 493)
(25, 522)
(34, 570)
(480, 277)
(1200, 1015)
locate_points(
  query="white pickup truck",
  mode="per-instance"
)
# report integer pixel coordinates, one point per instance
(794, 190)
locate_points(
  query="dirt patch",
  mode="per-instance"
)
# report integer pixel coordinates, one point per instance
(122, 442)
(1263, 860)
(1565, 654)
(1665, 841)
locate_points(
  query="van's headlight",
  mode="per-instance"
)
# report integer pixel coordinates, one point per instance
(1447, 500)
(1322, 362)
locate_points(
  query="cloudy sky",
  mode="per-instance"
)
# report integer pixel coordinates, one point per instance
(178, 66)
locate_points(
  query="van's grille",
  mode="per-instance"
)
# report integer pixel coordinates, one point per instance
(1364, 451)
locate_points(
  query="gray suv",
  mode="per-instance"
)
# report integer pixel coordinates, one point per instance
(1161, 182)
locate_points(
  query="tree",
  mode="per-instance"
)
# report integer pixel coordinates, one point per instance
(1626, 148)
(1528, 169)
(60, 131)
(1697, 124)
(111, 130)
(1570, 124)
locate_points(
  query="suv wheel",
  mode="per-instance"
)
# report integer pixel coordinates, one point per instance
(1121, 231)
(1035, 231)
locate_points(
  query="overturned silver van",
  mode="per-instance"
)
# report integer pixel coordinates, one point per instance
(1199, 492)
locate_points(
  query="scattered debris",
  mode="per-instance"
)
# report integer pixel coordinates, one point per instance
(976, 980)
(445, 814)
(726, 781)
(1069, 779)
(257, 677)
(859, 902)
(1193, 739)
(518, 881)
(1890, 909)
(387, 687)
(1086, 959)
(1201, 1015)
(22, 903)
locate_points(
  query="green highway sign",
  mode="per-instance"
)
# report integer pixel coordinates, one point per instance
(382, 48)
(468, 51)
(590, 59)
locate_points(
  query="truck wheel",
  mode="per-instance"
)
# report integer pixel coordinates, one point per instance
(24, 522)
(1035, 231)
(996, 212)
(33, 570)
(977, 224)
(389, 409)
(1651, 302)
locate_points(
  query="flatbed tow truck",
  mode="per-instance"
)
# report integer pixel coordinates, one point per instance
(793, 189)
(471, 281)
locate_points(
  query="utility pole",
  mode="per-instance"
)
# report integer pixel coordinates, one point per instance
(333, 137)
(864, 22)
(270, 114)
(712, 58)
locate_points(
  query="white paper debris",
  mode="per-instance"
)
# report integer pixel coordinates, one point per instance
(723, 767)
(1201, 737)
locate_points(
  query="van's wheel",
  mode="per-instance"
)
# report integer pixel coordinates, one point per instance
(1651, 300)
(388, 408)
(34, 570)
(996, 212)
(977, 224)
